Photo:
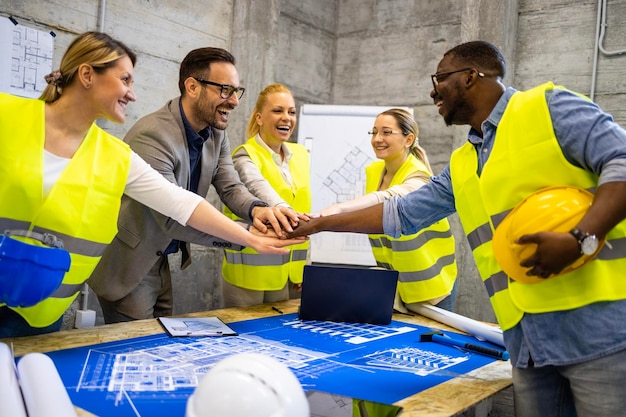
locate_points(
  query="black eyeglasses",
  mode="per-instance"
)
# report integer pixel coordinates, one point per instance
(440, 76)
(226, 91)
(384, 133)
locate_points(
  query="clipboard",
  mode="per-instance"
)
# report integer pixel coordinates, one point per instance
(197, 326)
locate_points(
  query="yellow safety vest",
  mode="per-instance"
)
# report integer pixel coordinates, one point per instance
(525, 138)
(425, 260)
(249, 269)
(373, 409)
(81, 208)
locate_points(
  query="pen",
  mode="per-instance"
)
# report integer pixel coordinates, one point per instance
(277, 310)
(439, 337)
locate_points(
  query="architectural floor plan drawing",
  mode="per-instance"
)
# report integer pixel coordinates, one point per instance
(418, 361)
(347, 181)
(26, 55)
(350, 332)
(154, 375)
(166, 366)
(344, 181)
(340, 148)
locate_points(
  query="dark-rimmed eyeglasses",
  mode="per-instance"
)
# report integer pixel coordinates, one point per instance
(440, 76)
(384, 133)
(226, 90)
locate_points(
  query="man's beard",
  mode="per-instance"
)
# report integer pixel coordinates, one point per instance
(207, 114)
(460, 112)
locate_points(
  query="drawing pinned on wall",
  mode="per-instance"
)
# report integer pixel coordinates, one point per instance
(340, 149)
(25, 58)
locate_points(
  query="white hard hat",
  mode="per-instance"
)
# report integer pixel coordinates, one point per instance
(248, 384)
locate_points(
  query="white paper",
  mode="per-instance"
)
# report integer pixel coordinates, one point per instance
(339, 175)
(25, 58)
(11, 403)
(202, 326)
(42, 388)
(477, 329)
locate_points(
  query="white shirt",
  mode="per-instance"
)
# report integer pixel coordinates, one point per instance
(143, 184)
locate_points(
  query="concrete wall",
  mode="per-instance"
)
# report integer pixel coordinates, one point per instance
(368, 52)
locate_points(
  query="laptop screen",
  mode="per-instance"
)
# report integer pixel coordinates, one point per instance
(343, 294)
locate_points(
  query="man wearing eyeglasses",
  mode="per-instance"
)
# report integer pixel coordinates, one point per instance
(186, 142)
(565, 333)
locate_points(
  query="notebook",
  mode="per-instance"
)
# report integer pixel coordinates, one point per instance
(354, 295)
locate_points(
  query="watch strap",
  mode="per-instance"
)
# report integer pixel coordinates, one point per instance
(588, 243)
(578, 234)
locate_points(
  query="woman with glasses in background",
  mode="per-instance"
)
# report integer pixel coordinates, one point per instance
(425, 260)
(277, 172)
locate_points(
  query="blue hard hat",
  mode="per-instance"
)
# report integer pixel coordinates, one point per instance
(30, 273)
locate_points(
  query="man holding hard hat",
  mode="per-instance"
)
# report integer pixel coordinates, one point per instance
(540, 188)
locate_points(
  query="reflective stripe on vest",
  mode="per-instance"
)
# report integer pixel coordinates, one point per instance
(70, 243)
(249, 269)
(525, 138)
(259, 259)
(425, 260)
(88, 193)
(412, 244)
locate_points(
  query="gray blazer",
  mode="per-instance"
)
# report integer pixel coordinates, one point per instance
(143, 234)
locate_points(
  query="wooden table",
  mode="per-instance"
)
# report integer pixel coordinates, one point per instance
(446, 399)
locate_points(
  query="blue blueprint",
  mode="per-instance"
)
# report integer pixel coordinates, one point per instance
(154, 375)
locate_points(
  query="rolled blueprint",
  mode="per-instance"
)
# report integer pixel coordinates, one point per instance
(11, 402)
(476, 328)
(42, 388)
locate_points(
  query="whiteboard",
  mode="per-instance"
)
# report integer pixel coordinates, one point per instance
(340, 149)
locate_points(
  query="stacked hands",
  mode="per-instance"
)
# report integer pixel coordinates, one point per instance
(284, 223)
(552, 253)
(277, 224)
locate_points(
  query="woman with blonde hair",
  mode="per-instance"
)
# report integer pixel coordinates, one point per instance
(62, 175)
(425, 260)
(276, 171)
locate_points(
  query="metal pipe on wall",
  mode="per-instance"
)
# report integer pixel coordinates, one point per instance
(601, 26)
(596, 50)
(102, 4)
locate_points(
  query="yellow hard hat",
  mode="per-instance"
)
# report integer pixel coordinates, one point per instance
(554, 209)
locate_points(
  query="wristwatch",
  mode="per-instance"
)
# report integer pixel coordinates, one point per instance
(588, 243)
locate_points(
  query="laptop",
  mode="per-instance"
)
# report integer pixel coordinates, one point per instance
(344, 294)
